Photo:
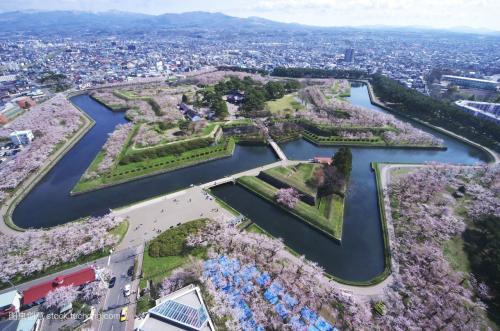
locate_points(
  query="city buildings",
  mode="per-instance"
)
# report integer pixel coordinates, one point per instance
(21, 137)
(349, 55)
(38, 292)
(181, 310)
(471, 82)
(10, 303)
(487, 110)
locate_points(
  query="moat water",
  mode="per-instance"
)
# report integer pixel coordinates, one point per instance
(360, 257)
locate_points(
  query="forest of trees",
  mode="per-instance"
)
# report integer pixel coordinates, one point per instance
(256, 94)
(436, 112)
(334, 177)
(318, 73)
(240, 69)
(482, 245)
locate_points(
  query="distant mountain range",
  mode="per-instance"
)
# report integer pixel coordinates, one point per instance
(74, 21)
(69, 22)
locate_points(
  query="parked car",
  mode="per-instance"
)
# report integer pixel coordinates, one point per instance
(123, 314)
(130, 271)
(126, 290)
(112, 282)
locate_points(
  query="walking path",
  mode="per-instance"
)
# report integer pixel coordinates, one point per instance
(277, 150)
(149, 218)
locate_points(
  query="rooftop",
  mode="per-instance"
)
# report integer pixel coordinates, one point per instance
(8, 298)
(180, 310)
(468, 78)
(39, 291)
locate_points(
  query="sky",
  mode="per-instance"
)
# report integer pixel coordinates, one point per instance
(433, 13)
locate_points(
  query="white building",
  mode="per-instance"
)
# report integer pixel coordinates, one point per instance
(471, 82)
(181, 310)
(21, 137)
(486, 110)
(10, 302)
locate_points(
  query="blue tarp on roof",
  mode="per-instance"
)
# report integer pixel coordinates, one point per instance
(296, 323)
(308, 315)
(271, 297)
(235, 280)
(263, 279)
(323, 325)
(290, 301)
(281, 310)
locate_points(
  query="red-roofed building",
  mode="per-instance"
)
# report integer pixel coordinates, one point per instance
(3, 119)
(38, 292)
(26, 103)
(323, 160)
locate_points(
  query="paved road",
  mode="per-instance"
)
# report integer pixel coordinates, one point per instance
(115, 300)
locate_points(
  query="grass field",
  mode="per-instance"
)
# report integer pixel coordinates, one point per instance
(155, 269)
(296, 176)
(127, 172)
(286, 105)
(208, 131)
(340, 92)
(330, 224)
(120, 230)
(454, 252)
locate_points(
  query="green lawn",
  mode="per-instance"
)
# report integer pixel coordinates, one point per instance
(336, 140)
(129, 95)
(155, 269)
(296, 176)
(341, 93)
(254, 228)
(239, 122)
(120, 230)
(311, 214)
(208, 131)
(286, 105)
(454, 252)
(127, 172)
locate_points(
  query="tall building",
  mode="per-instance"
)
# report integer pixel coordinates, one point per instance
(349, 55)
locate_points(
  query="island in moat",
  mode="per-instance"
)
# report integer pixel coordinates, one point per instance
(202, 240)
(173, 126)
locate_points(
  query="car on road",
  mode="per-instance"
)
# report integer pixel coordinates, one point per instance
(123, 314)
(130, 271)
(112, 282)
(126, 290)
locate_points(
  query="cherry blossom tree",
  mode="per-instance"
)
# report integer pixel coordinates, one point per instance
(288, 197)
(32, 251)
(60, 297)
(427, 293)
(92, 292)
(300, 278)
(52, 122)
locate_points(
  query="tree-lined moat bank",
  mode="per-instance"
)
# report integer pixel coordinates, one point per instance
(361, 231)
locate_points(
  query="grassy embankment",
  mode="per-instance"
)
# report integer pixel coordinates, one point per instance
(296, 176)
(326, 215)
(376, 141)
(152, 164)
(209, 131)
(168, 251)
(339, 92)
(165, 253)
